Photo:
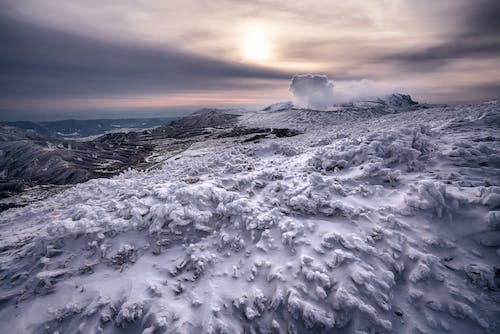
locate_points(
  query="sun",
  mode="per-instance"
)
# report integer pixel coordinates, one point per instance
(256, 44)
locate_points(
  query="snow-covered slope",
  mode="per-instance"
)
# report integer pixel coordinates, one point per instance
(287, 115)
(371, 221)
(33, 166)
(280, 106)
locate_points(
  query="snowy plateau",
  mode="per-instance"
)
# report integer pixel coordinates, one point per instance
(376, 217)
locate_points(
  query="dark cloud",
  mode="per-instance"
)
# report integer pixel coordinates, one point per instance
(483, 19)
(41, 62)
(441, 55)
(478, 36)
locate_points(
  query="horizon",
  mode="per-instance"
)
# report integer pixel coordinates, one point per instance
(158, 113)
(264, 166)
(163, 112)
(85, 60)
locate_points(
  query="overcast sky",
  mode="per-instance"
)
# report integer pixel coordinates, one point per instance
(97, 58)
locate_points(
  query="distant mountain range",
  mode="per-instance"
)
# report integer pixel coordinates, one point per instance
(73, 128)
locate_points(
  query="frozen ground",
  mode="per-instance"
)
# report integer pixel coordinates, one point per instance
(371, 221)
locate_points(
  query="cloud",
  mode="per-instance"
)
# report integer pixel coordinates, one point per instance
(41, 62)
(442, 54)
(90, 48)
(482, 19)
(316, 91)
(312, 90)
(478, 37)
(350, 91)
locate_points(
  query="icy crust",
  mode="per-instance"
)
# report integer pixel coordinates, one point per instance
(383, 225)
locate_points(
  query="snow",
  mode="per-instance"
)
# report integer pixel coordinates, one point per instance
(373, 220)
(280, 106)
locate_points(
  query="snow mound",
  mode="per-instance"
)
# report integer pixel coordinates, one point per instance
(381, 223)
(280, 106)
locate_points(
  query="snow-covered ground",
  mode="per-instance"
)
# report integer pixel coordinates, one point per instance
(368, 222)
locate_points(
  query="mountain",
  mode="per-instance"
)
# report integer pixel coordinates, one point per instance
(85, 128)
(381, 217)
(29, 162)
(288, 115)
(28, 159)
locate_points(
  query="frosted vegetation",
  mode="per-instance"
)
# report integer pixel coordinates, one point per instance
(370, 221)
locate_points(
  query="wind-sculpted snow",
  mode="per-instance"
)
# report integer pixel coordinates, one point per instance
(384, 223)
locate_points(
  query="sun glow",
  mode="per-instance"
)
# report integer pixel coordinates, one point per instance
(256, 45)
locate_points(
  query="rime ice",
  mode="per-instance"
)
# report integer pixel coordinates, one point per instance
(374, 219)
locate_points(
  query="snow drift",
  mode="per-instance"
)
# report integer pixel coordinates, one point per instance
(374, 222)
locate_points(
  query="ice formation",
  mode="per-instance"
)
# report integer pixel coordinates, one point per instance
(368, 222)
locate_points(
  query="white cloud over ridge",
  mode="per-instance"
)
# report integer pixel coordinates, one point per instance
(316, 91)
(312, 90)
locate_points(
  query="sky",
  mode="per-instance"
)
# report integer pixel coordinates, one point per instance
(108, 59)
